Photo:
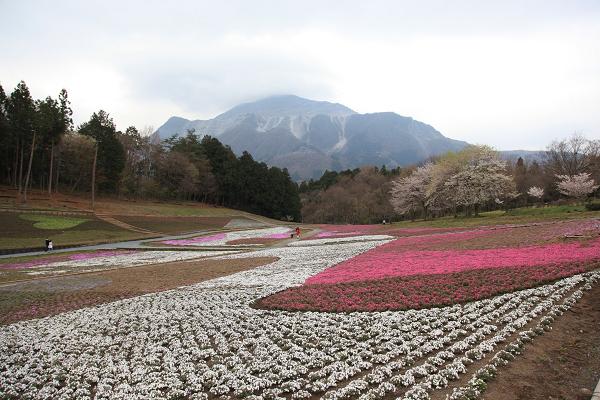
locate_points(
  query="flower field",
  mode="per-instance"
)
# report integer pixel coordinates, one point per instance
(392, 260)
(230, 238)
(95, 261)
(421, 291)
(445, 268)
(215, 340)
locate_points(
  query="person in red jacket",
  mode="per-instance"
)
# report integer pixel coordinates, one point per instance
(297, 232)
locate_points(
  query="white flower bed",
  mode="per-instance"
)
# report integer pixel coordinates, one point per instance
(221, 239)
(126, 259)
(333, 240)
(204, 340)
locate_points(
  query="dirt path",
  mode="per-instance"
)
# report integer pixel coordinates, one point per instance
(558, 364)
(121, 224)
(44, 297)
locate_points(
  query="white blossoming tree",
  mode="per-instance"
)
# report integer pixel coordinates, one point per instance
(577, 186)
(480, 182)
(536, 192)
(410, 194)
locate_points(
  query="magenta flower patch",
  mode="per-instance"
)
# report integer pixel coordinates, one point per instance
(385, 262)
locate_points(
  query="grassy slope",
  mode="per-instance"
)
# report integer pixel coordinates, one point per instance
(517, 216)
(29, 229)
(81, 203)
(25, 230)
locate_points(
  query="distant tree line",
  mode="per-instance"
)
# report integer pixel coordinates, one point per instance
(465, 182)
(358, 196)
(40, 148)
(574, 159)
(476, 179)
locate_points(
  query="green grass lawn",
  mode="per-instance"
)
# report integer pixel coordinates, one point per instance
(25, 230)
(52, 222)
(516, 216)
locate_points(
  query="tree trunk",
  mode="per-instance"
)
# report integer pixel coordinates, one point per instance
(94, 176)
(76, 183)
(29, 169)
(57, 173)
(20, 176)
(16, 165)
(21, 157)
(51, 165)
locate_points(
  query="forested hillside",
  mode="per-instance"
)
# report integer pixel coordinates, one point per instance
(41, 148)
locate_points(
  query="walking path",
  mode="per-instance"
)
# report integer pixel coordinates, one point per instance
(129, 244)
(145, 244)
(121, 224)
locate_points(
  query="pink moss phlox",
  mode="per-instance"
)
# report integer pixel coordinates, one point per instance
(420, 291)
(384, 262)
(421, 231)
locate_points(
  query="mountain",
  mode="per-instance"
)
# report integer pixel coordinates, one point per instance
(308, 137)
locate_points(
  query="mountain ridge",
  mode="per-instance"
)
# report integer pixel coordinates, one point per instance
(307, 136)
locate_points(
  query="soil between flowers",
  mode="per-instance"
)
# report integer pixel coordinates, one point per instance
(558, 364)
(45, 297)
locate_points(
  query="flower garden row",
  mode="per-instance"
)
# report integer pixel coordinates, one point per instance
(97, 260)
(394, 260)
(246, 237)
(420, 291)
(485, 236)
(406, 273)
(203, 341)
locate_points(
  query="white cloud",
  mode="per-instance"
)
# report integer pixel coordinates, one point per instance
(514, 75)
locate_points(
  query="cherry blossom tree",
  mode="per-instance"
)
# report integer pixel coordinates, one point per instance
(577, 186)
(467, 179)
(480, 182)
(410, 194)
(536, 192)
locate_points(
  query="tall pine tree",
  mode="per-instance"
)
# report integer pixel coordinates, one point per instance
(21, 118)
(111, 155)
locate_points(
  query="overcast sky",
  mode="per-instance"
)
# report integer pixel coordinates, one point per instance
(512, 74)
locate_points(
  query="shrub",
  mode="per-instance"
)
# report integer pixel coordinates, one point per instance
(593, 206)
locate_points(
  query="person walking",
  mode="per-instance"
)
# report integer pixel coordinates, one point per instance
(297, 231)
(50, 245)
(47, 243)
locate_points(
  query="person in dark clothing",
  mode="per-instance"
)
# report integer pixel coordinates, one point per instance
(47, 243)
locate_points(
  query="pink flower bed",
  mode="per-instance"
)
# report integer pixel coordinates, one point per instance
(71, 257)
(422, 231)
(419, 291)
(411, 242)
(333, 231)
(388, 261)
(437, 269)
